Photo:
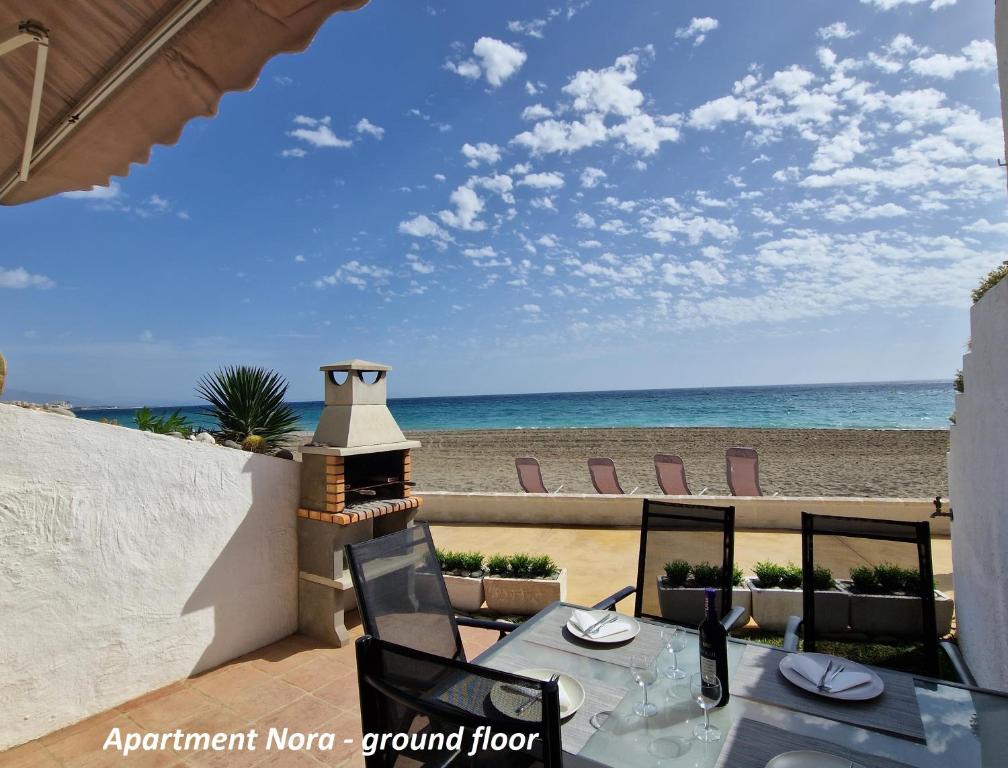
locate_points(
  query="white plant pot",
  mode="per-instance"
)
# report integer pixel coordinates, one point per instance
(465, 592)
(685, 605)
(897, 615)
(773, 607)
(523, 597)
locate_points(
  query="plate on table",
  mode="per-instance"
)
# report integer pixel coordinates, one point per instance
(808, 758)
(507, 697)
(864, 683)
(629, 628)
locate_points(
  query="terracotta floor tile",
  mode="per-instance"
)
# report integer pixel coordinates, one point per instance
(341, 693)
(304, 715)
(265, 697)
(30, 755)
(166, 712)
(281, 657)
(84, 745)
(228, 683)
(155, 695)
(318, 673)
(344, 726)
(286, 759)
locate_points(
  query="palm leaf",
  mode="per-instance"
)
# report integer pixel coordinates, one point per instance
(248, 401)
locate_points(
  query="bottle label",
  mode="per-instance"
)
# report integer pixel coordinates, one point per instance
(708, 668)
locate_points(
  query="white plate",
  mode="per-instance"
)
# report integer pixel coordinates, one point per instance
(807, 758)
(631, 631)
(863, 692)
(505, 699)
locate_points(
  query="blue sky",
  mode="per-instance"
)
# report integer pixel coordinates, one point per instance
(516, 197)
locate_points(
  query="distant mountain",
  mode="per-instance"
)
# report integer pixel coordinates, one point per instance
(45, 397)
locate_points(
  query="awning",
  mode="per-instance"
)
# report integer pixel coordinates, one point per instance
(116, 77)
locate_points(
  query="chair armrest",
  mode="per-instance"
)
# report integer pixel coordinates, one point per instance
(609, 604)
(791, 634)
(729, 619)
(958, 663)
(497, 626)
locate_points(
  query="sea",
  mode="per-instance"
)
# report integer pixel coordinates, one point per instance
(880, 405)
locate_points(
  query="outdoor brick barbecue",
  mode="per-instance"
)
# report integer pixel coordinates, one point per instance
(355, 485)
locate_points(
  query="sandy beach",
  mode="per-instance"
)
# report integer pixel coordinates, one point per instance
(796, 462)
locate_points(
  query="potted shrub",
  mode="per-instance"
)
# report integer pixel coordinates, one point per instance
(463, 576)
(681, 592)
(884, 602)
(777, 595)
(521, 584)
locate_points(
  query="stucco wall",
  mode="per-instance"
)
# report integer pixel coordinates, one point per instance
(130, 560)
(593, 510)
(978, 485)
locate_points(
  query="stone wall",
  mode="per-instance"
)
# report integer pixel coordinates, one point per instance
(130, 560)
(978, 485)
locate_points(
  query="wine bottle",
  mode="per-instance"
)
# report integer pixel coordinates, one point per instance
(714, 645)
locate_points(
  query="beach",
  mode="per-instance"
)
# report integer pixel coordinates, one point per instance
(793, 462)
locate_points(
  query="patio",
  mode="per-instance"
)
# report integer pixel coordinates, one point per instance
(300, 684)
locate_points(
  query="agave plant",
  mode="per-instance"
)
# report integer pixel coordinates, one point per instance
(146, 421)
(248, 402)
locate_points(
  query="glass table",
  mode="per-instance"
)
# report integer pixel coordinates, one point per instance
(963, 727)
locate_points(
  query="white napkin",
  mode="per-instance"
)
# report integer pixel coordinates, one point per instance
(812, 671)
(584, 619)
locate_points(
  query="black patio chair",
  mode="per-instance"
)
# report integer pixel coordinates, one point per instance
(695, 533)
(402, 596)
(403, 690)
(916, 534)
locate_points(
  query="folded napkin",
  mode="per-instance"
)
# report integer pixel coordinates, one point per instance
(812, 671)
(564, 699)
(584, 619)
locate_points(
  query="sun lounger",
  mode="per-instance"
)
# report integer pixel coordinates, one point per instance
(603, 477)
(742, 469)
(671, 474)
(530, 476)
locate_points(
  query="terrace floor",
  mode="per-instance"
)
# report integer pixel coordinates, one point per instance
(298, 683)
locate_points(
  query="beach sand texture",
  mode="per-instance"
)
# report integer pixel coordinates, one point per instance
(793, 462)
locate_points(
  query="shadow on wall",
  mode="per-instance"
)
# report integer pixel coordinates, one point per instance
(257, 568)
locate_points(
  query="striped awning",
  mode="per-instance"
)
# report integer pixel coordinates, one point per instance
(89, 86)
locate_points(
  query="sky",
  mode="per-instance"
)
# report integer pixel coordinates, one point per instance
(504, 197)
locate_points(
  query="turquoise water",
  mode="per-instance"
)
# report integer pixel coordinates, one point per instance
(892, 405)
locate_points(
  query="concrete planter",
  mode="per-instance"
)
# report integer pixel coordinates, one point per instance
(685, 605)
(773, 607)
(523, 597)
(897, 615)
(465, 592)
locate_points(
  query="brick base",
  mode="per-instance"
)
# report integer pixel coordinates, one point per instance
(364, 511)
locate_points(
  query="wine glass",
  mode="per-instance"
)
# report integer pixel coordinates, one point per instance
(706, 691)
(645, 673)
(675, 641)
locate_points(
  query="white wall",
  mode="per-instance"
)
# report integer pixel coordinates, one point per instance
(781, 513)
(130, 560)
(978, 485)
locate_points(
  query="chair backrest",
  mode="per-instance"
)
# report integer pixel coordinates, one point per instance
(398, 685)
(530, 475)
(603, 476)
(826, 543)
(401, 592)
(671, 474)
(697, 535)
(742, 469)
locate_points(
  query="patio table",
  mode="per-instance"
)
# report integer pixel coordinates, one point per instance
(962, 726)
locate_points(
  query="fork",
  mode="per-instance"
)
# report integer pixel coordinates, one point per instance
(535, 697)
(822, 680)
(826, 685)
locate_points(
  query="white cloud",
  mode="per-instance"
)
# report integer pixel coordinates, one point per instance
(422, 226)
(293, 152)
(439, 177)
(19, 277)
(419, 265)
(984, 227)
(590, 177)
(366, 126)
(95, 193)
(532, 28)
(299, 258)
(978, 56)
(584, 221)
(561, 136)
(497, 61)
(725, 109)
(481, 153)
(549, 180)
(888, 5)
(698, 29)
(318, 133)
(468, 206)
(536, 112)
(146, 337)
(643, 133)
(532, 309)
(607, 91)
(357, 274)
(838, 30)
(547, 241)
